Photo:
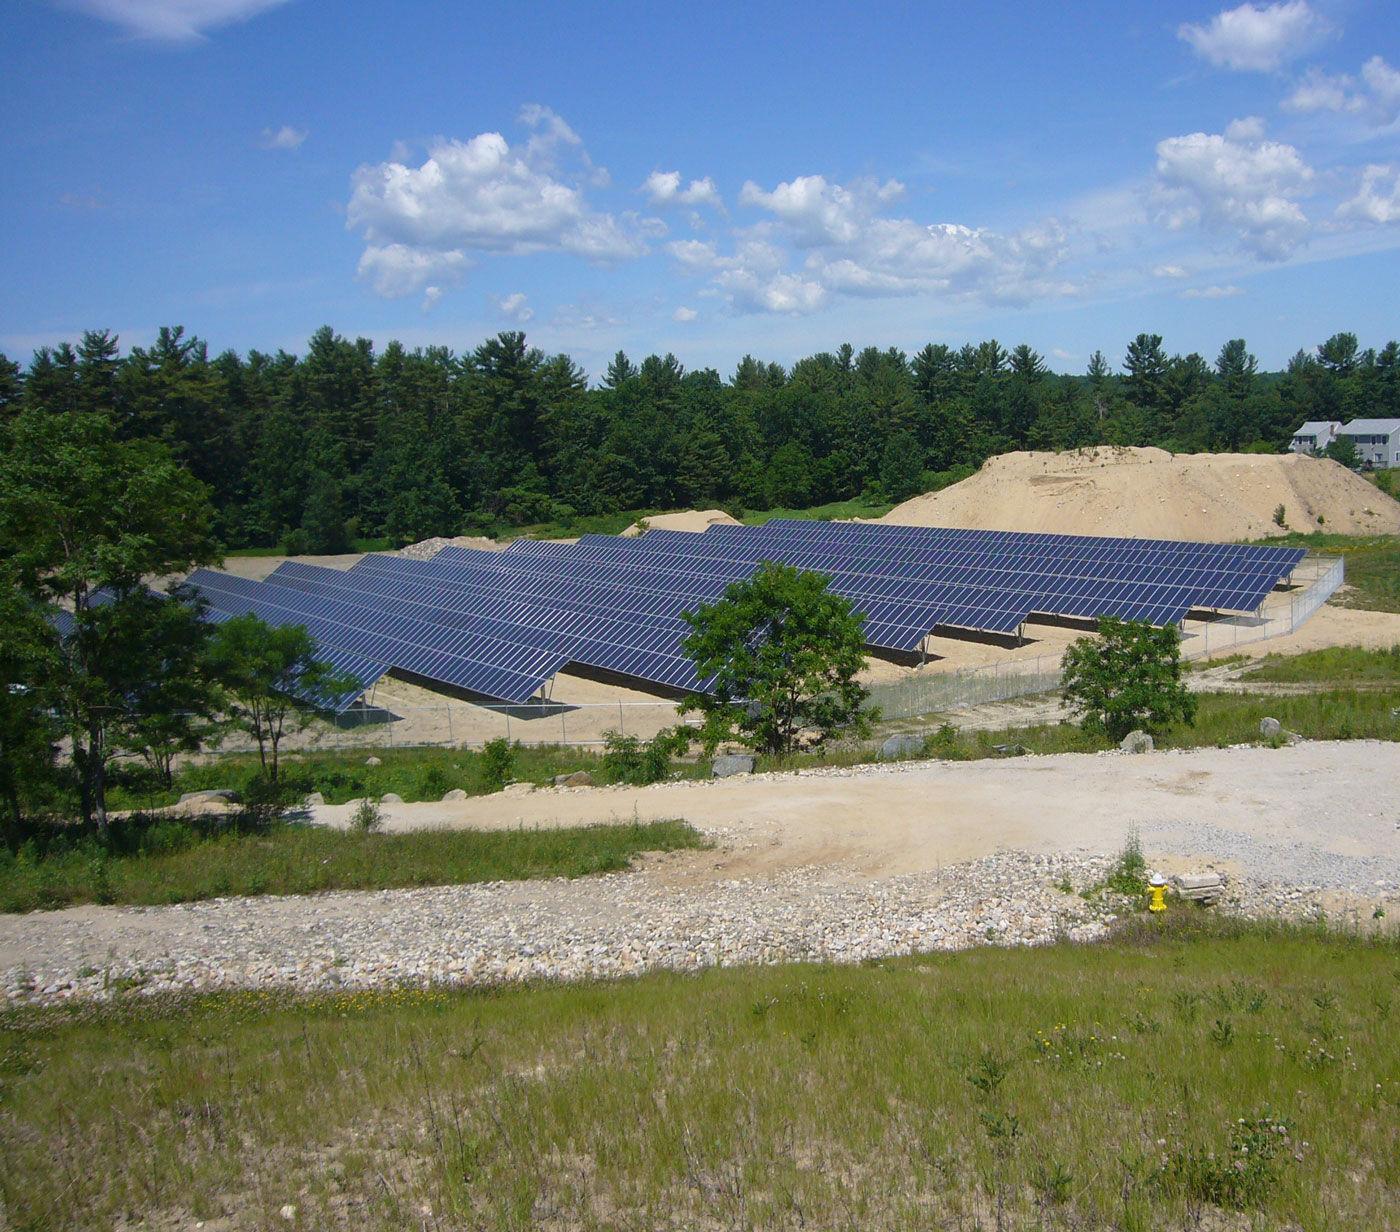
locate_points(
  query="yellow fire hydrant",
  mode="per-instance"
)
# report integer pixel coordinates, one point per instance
(1157, 888)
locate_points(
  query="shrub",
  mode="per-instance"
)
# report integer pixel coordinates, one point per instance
(1129, 677)
(628, 760)
(266, 801)
(368, 816)
(1280, 516)
(497, 764)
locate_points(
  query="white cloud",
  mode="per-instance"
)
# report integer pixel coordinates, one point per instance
(1376, 96)
(176, 21)
(395, 270)
(826, 239)
(1226, 292)
(1378, 200)
(485, 196)
(684, 315)
(664, 188)
(1169, 271)
(431, 295)
(1237, 184)
(515, 306)
(1256, 38)
(284, 138)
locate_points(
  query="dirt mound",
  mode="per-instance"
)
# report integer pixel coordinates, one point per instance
(1154, 494)
(428, 548)
(687, 519)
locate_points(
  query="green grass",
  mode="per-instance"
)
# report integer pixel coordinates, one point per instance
(1070, 1087)
(174, 860)
(356, 545)
(857, 507)
(1340, 664)
(1372, 566)
(412, 774)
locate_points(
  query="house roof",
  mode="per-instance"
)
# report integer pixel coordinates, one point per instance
(1372, 427)
(1316, 427)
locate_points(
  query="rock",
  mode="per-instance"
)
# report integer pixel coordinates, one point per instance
(1136, 742)
(455, 794)
(1269, 728)
(1010, 750)
(908, 745)
(517, 789)
(315, 798)
(289, 1213)
(1290, 737)
(390, 797)
(579, 778)
(217, 793)
(373, 761)
(731, 763)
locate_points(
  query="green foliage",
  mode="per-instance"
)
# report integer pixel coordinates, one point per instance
(627, 759)
(148, 860)
(1280, 516)
(784, 653)
(270, 679)
(1343, 449)
(1128, 677)
(368, 817)
(1128, 876)
(1331, 664)
(497, 764)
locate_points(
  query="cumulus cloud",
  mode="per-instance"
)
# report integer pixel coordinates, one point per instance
(1226, 292)
(1169, 271)
(515, 306)
(284, 138)
(395, 270)
(663, 188)
(1237, 184)
(684, 315)
(484, 195)
(822, 239)
(175, 21)
(1254, 38)
(1375, 97)
(1378, 200)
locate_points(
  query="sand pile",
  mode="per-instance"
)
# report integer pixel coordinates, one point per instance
(686, 519)
(1155, 494)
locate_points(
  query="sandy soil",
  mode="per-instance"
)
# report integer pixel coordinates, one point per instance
(684, 519)
(880, 821)
(1155, 494)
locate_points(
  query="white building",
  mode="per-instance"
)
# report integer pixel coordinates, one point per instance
(1377, 441)
(1315, 435)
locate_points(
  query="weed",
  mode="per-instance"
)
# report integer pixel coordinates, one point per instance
(368, 817)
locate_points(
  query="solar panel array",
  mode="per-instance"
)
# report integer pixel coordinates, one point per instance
(500, 624)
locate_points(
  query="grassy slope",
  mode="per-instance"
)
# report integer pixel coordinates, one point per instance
(1069, 1087)
(172, 862)
(1340, 664)
(1372, 566)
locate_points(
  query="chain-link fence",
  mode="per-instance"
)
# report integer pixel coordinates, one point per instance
(1314, 582)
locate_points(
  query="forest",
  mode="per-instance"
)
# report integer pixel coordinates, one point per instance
(342, 444)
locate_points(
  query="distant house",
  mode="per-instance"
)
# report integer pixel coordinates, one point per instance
(1315, 435)
(1377, 441)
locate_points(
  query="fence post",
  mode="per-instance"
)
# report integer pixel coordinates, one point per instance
(621, 720)
(563, 729)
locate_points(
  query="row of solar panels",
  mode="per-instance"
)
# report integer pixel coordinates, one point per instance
(500, 624)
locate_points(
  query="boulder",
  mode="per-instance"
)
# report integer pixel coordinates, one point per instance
(373, 761)
(1136, 742)
(731, 763)
(314, 798)
(390, 797)
(455, 794)
(1010, 750)
(579, 778)
(1269, 728)
(1200, 887)
(215, 793)
(907, 745)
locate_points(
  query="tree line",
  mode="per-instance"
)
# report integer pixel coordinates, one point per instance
(343, 442)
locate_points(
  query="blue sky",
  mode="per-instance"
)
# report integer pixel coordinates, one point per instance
(708, 179)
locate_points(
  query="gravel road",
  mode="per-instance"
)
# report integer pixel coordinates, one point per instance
(835, 864)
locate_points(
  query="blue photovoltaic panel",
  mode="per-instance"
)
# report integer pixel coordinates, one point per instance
(501, 622)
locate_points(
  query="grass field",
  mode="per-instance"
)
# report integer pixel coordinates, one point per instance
(857, 507)
(1185, 1075)
(1339, 664)
(175, 860)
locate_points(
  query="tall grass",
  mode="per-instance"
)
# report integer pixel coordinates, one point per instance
(182, 860)
(1349, 664)
(1102, 1087)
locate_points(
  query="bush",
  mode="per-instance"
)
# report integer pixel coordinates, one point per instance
(627, 760)
(368, 816)
(497, 764)
(266, 801)
(1128, 678)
